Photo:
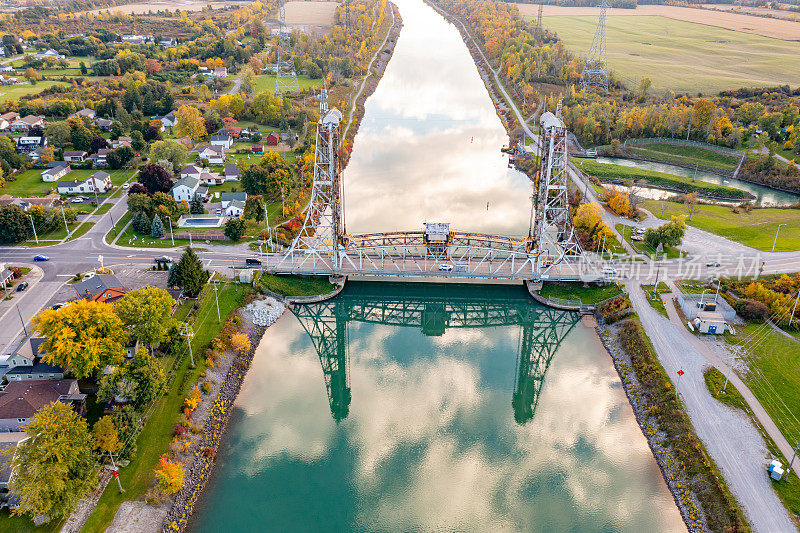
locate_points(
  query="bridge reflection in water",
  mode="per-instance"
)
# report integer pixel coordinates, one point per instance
(434, 309)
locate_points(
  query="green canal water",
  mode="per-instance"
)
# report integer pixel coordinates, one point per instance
(433, 408)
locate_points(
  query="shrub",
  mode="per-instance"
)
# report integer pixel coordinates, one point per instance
(206, 387)
(751, 309)
(170, 475)
(240, 343)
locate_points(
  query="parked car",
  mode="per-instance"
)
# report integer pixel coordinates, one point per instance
(56, 307)
(252, 261)
(22, 286)
(218, 212)
(637, 238)
(640, 231)
(712, 265)
(162, 259)
(126, 186)
(77, 200)
(446, 267)
(41, 258)
(88, 275)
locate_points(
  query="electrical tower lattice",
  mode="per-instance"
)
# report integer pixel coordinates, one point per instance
(285, 74)
(595, 73)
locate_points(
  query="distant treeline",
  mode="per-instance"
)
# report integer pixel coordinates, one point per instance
(618, 4)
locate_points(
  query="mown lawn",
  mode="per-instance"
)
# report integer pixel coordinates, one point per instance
(266, 83)
(610, 172)
(573, 291)
(154, 439)
(29, 183)
(755, 229)
(686, 154)
(654, 297)
(14, 92)
(296, 285)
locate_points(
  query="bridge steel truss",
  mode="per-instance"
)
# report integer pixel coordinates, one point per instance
(322, 246)
(542, 329)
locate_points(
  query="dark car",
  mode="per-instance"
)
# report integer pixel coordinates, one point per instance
(162, 259)
(41, 258)
(22, 286)
(714, 265)
(252, 261)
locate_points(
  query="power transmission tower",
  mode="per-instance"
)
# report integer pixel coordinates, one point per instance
(595, 73)
(539, 29)
(285, 75)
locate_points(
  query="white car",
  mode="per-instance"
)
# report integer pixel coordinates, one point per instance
(446, 267)
(126, 186)
(77, 200)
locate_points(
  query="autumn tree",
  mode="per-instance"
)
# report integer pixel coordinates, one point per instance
(55, 466)
(106, 437)
(84, 336)
(240, 343)
(169, 475)
(190, 123)
(155, 178)
(146, 313)
(691, 204)
(169, 150)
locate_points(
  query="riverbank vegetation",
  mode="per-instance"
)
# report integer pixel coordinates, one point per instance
(588, 294)
(295, 285)
(654, 296)
(685, 155)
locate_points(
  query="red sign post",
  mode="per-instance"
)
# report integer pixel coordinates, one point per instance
(680, 373)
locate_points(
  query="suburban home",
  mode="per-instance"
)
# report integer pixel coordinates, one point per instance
(32, 368)
(10, 117)
(100, 288)
(26, 123)
(272, 139)
(215, 155)
(43, 54)
(47, 202)
(185, 189)
(137, 39)
(121, 141)
(169, 120)
(75, 156)
(29, 144)
(219, 72)
(6, 68)
(56, 173)
(234, 209)
(202, 192)
(99, 158)
(231, 173)
(191, 170)
(167, 43)
(104, 124)
(227, 197)
(6, 275)
(4, 124)
(211, 178)
(20, 400)
(223, 140)
(258, 149)
(99, 182)
(85, 112)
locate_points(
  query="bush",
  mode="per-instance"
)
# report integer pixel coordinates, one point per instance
(751, 309)
(206, 387)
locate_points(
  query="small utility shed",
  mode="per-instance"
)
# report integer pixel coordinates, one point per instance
(710, 322)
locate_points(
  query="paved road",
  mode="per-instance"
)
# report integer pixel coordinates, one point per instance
(733, 442)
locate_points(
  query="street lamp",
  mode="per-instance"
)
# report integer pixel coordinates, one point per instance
(776, 236)
(34, 228)
(701, 297)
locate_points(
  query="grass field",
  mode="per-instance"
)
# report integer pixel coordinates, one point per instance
(266, 83)
(30, 183)
(607, 172)
(655, 299)
(685, 155)
(296, 285)
(315, 13)
(587, 295)
(755, 229)
(684, 56)
(14, 92)
(640, 246)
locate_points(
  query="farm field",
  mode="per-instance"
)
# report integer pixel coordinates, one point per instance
(755, 229)
(777, 13)
(183, 5)
(685, 154)
(266, 83)
(775, 28)
(314, 13)
(13, 92)
(685, 56)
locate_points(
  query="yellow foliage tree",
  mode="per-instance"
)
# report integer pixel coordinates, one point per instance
(587, 215)
(620, 203)
(190, 123)
(106, 438)
(240, 343)
(170, 475)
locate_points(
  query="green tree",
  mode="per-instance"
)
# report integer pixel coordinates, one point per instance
(137, 139)
(141, 223)
(14, 226)
(58, 133)
(81, 138)
(669, 234)
(146, 313)
(157, 227)
(55, 467)
(190, 274)
(148, 377)
(128, 425)
(171, 151)
(234, 229)
(84, 336)
(196, 207)
(254, 208)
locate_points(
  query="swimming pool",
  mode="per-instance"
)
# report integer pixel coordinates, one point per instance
(200, 221)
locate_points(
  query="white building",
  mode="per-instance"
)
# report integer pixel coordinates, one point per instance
(215, 155)
(99, 182)
(185, 189)
(234, 209)
(56, 173)
(710, 322)
(223, 140)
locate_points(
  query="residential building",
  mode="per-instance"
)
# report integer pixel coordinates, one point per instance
(104, 124)
(4, 124)
(211, 178)
(215, 155)
(169, 120)
(273, 139)
(99, 182)
(37, 372)
(75, 156)
(85, 112)
(27, 144)
(167, 43)
(185, 189)
(192, 171)
(47, 202)
(10, 117)
(26, 123)
(99, 158)
(202, 192)
(219, 72)
(258, 149)
(6, 275)
(223, 140)
(234, 209)
(6, 68)
(120, 142)
(231, 173)
(226, 198)
(137, 39)
(100, 288)
(57, 172)
(20, 400)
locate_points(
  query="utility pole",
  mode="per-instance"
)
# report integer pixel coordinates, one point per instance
(214, 284)
(186, 331)
(63, 216)
(791, 318)
(171, 235)
(115, 472)
(776, 236)
(788, 468)
(34, 229)
(719, 282)
(113, 225)
(25, 329)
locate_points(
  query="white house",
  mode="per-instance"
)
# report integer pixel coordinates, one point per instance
(227, 197)
(191, 171)
(6, 68)
(224, 140)
(234, 209)
(215, 155)
(219, 72)
(98, 182)
(185, 189)
(100, 157)
(104, 124)
(169, 120)
(231, 173)
(26, 123)
(211, 178)
(28, 144)
(56, 173)
(49, 53)
(85, 112)
(75, 156)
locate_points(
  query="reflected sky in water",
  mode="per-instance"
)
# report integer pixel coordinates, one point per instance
(430, 441)
(428, 148)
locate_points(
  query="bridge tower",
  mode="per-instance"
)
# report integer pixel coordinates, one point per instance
(553, 229)
(322, 228)
(595, 73)
(285, 75)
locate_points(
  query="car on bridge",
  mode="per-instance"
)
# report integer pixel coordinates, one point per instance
(446, 267)
(41, 258)
(712, 265)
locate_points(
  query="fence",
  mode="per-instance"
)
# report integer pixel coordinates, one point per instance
(690, 305)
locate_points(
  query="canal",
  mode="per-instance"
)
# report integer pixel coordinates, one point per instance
(420, 407)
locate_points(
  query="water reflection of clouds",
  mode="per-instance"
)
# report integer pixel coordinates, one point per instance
(573, 457)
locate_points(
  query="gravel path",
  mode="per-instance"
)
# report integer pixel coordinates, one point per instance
(728, 434)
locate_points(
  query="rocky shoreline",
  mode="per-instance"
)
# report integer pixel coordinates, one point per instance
(214, 425)
(669, 465)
